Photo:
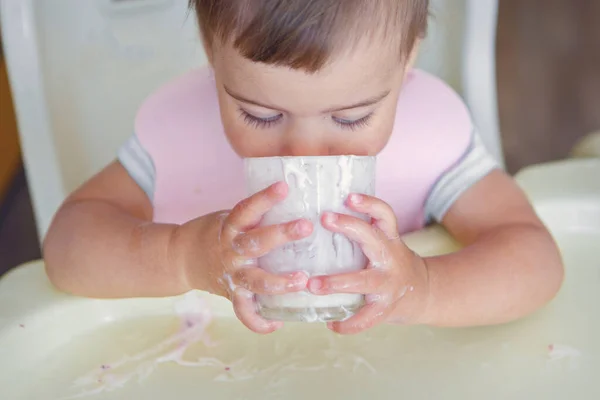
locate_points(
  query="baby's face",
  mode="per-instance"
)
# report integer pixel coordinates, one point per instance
(348, 107)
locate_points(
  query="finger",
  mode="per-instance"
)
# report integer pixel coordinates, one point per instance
(246, 311)
(382, 214)
(368, 316)
(248, 212)
(260, 241)
(361, 282)
(367, 236)
(259, 281)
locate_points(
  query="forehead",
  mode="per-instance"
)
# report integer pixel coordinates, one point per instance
(363, 70)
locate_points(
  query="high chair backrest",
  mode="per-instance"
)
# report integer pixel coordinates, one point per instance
(79, 70)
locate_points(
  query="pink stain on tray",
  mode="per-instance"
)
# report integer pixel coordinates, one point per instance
(195, 317)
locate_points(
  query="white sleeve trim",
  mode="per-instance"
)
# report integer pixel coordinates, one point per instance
(474, 165)
(138, 164)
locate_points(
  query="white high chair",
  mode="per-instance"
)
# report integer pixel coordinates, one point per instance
(79, 70)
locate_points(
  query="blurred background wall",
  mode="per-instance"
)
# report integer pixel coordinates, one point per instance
(548, 61)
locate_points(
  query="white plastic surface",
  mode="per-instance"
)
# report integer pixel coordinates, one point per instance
(80, 69)
(48, 340)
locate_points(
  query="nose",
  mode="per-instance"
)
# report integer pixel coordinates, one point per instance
(300, 141)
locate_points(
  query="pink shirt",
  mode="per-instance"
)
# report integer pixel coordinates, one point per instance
(181, 158)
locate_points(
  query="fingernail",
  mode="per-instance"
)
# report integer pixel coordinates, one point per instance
(356, 198)
(254, 245)
(315, 285)
(244, 293)
(301, 228)
(298, 280)
(372, 298)
(247, 262)
(330, 217)
(300, 276)
(237, 247)
(280, 187)
(276, 325)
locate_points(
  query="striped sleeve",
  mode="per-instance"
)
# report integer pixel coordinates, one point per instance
(138, 164)
(474, 165)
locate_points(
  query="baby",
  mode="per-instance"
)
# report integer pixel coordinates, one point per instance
(306, 78)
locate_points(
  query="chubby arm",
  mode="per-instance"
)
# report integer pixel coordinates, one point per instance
(102, 242)
(509, 267)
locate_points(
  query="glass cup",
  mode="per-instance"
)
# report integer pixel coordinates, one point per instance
(316, 185)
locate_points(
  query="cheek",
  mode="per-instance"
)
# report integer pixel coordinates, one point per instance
(383, 127)
(370, 140)
(382, 131)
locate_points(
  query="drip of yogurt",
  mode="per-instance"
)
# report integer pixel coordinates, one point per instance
(345, 172)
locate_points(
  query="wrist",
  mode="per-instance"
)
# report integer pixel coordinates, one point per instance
(177, 258)
(157, 272)
(193, 252)
(428, 304)
(415, 306)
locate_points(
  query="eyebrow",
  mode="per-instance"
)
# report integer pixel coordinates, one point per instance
(363, 103)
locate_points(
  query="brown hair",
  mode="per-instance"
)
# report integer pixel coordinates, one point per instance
(304, 34)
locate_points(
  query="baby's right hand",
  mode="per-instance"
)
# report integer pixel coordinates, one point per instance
(233, 242)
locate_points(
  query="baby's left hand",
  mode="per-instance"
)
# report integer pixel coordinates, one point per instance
(395, 281)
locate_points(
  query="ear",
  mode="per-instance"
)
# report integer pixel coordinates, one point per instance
(412, 58)
(209, 52)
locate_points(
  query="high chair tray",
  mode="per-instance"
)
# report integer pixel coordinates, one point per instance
(54, 346)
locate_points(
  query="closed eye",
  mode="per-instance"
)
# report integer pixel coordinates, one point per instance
(355, 124)
(258, 122)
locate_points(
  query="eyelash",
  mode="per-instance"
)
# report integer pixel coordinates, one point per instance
(354, 125)
(256, 122)
(265, 123)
